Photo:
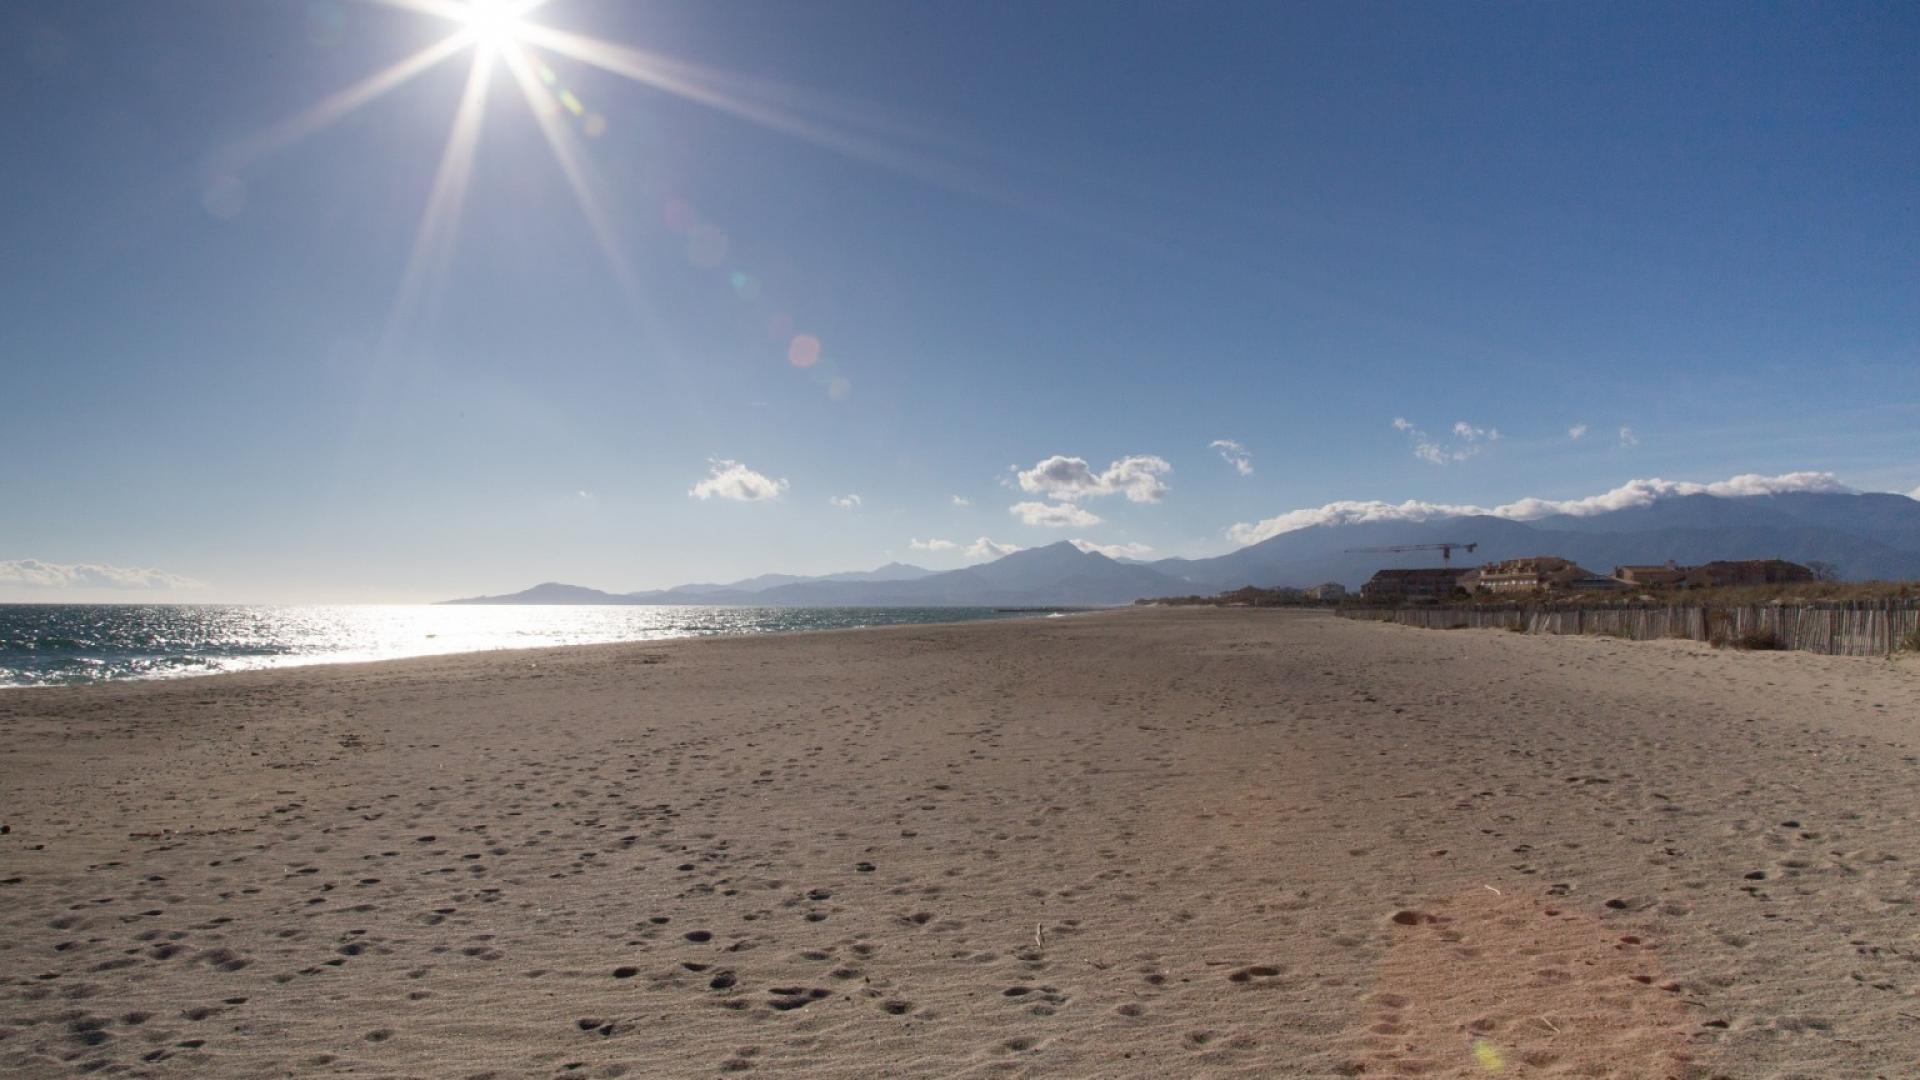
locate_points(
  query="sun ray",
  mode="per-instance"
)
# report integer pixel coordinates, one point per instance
(489, 23)
(695, 84)
(545, 111)
(337, 106)
(433, 242)
(851, 113)
(519, 9)
(452, 10)
(750, 91)
(497, 34)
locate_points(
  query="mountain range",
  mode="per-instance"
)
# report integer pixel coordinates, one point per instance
(1056, 575)
(1864, 536)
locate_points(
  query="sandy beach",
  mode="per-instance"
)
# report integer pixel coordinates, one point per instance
(1141, 843)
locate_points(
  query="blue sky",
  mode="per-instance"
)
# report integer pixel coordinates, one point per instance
(1017, 233)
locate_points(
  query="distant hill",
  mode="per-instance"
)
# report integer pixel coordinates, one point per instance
(548, 592)
(893, 571)
(1868, 536)
(734, 592)
(1864, 536)
(746, 590)
(1889, 520)
(1056, 575)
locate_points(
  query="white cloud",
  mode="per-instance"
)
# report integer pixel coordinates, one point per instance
(1468, 440)
(1630, 494)
(931, 545)
(1053, 515)
(845, 502)
(1577, 431)
(1060, 477)
(1067, 479)
(1115, 551)
(1628, 436)
(732, 480)
(962, 500)
(1345, 512)
(1647, 492)
(45, 575)
(984, 548)
(1233, 454)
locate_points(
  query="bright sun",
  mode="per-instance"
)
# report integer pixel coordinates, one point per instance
(494, 24)
(503, 35)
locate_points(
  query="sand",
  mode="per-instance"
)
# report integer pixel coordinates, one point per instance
(1144, 843)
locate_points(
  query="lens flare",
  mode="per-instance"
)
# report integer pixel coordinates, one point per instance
(501, 34)
(679, 216)
(803, 351)
(707, 247)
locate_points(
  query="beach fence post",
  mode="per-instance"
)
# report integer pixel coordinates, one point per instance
(1836, 627)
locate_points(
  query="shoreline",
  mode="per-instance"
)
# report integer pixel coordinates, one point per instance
(336, 659)
(1208, 842)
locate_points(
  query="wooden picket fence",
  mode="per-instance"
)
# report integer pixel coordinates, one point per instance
(1836, 627)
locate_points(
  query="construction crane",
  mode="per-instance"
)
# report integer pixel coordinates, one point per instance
(1445, 550)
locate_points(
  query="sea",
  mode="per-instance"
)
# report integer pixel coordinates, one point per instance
(71, 644)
